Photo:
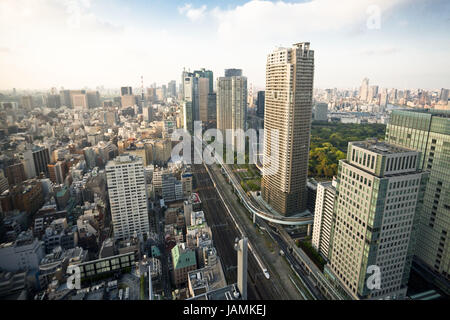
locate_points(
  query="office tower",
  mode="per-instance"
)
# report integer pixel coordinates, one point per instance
(443, 97)
(127, 98)
(231, 104)
(323, 216)
(321, 111)
(364, 90)
(172, 88)
(190, 102)
(186, 180)
(53, 101)
(79, 100)
(160, 94)
(151, 95)
(127, 196)
(148, 113)
(233, 72)
(212, 106)
(203, 73)
(124, 91)
(188, 121)
(428, 131)
(372, 93)
(26, 102)
(93, 99)
(65, 98)
(288, 111)
(41, 158)
(378, 201)
(260, 104)
(203, 91)
(128, 101)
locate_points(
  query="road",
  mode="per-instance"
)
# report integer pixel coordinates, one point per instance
(224, 235)
(306, 280)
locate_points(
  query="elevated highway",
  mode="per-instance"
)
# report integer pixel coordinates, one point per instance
(250, 205)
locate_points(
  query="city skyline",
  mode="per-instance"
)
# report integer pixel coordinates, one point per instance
(216, 158)
(81, 43)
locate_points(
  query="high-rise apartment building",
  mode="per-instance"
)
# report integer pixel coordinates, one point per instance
(379, 196)
(288, 111)
(231, 103)
(323, 216)
(127, 196)
(429, 132)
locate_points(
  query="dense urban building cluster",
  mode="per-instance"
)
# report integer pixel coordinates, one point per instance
(89, 188)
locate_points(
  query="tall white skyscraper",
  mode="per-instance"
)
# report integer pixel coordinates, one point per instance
(127, 196)
(323, 217)
(287, 112)
(364, 90)
(379, 197)
(231, 103)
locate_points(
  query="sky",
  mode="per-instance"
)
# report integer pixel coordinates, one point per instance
(112, 43)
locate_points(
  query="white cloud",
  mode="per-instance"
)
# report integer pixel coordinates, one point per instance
(270, 20)
(40, 49)
(193, 14)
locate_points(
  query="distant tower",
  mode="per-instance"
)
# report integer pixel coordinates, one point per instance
(364, 90)
(242, 249)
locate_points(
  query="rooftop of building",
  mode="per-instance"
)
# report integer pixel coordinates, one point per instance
(229, 292)
(123, 158)
(381, 147)
(434, 112)
(182, 256)
(58, 255)
(210, 277)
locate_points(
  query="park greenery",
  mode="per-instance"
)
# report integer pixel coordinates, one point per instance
(329, 141)
(329, 144)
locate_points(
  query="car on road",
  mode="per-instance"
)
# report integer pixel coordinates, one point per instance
(266, 273)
